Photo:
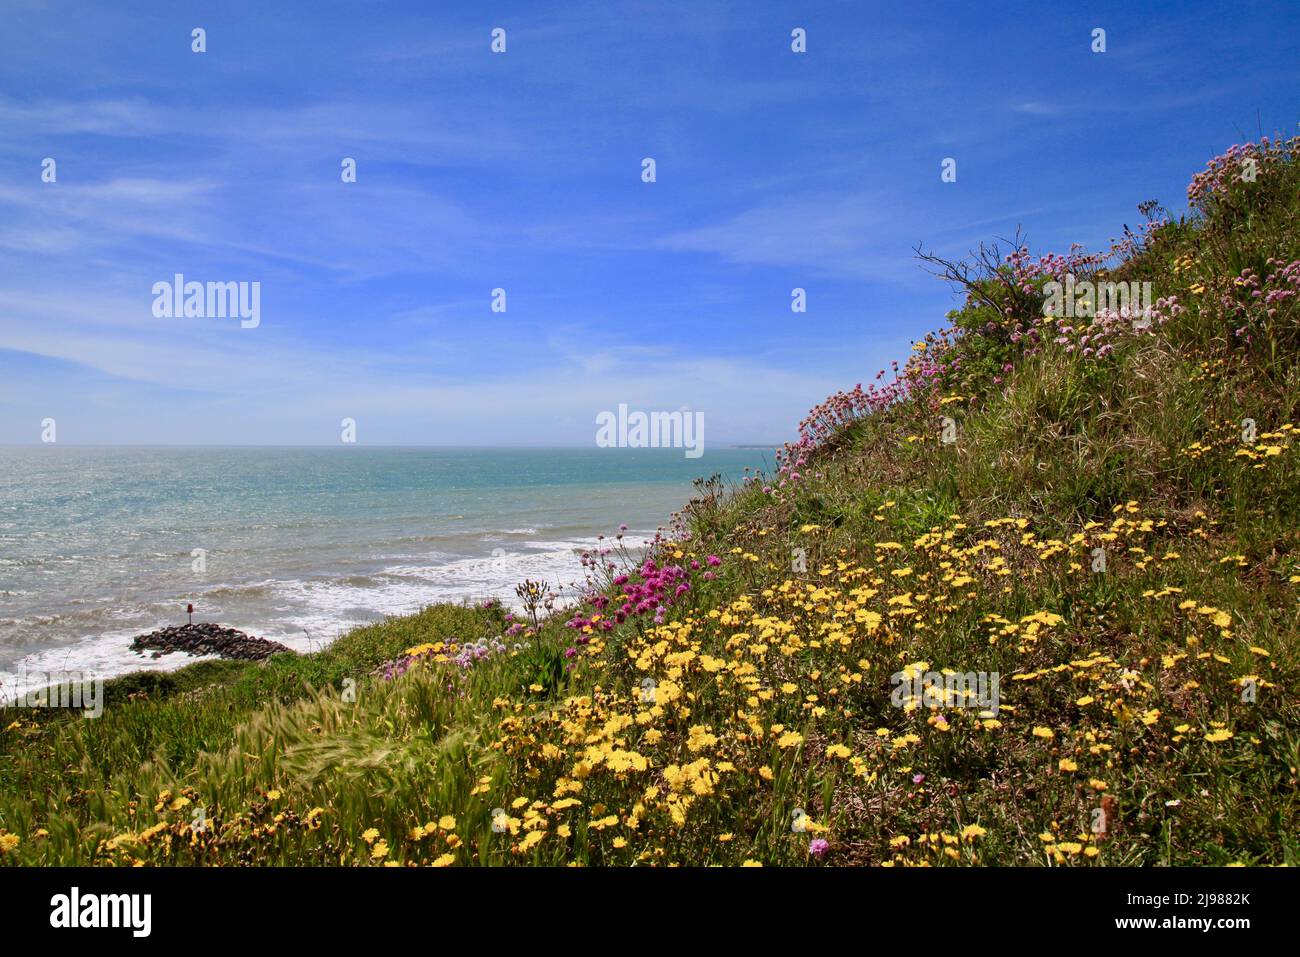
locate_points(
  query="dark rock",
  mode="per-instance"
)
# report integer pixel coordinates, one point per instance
(207, 638)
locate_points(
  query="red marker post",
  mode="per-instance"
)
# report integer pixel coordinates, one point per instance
(189, 610)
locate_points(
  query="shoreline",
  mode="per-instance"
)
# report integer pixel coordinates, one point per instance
(111, 654)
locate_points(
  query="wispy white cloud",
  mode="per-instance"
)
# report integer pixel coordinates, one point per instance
(824, 234)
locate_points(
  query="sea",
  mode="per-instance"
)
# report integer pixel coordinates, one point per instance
(300, 545)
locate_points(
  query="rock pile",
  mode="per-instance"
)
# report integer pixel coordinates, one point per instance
(207, 639)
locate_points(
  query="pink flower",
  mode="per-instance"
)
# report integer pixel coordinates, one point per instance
(818, 847)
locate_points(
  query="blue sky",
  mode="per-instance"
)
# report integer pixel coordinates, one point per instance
(522, 171)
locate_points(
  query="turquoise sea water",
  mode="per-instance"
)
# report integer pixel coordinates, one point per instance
(97, 544)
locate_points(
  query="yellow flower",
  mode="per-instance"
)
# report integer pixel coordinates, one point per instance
(1045, 733)
(972, 831)
(379, 851)
(1065, 764)
(447, 822)
(445, 861)
(791, 739)
(369, 835)
(1216, 736)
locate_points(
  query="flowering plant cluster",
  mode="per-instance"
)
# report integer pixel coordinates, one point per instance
(1096, 338)
(931, 358)
(462, 654)
(1255, 302)
(644, 590)
(1214, 189)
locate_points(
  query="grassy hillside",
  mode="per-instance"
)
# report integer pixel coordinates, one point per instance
(1101, 512)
